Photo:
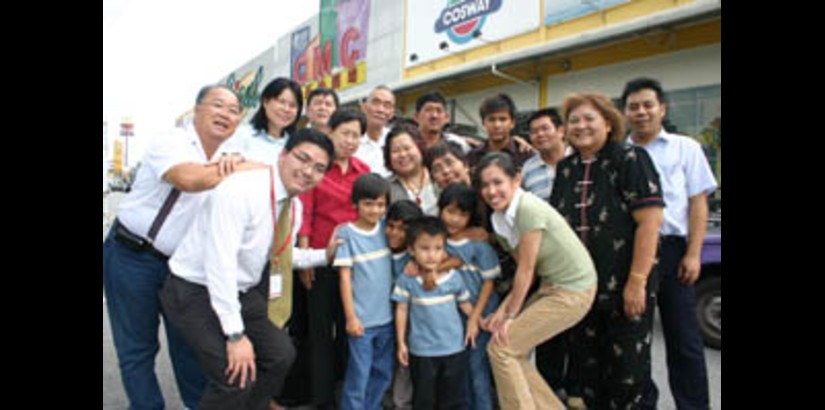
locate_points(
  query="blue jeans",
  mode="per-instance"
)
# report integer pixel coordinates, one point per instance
(686, 368)
(479, 379)
(132, 280)
(369, 370)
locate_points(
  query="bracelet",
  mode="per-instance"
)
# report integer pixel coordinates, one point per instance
(638, 275)
(510, 316)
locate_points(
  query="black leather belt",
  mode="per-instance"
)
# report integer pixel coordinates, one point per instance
(136, 242)
(673, 239)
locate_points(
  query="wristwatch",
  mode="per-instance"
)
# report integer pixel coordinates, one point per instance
(234, 337)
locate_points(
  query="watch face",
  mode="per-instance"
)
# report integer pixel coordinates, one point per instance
(234, 337)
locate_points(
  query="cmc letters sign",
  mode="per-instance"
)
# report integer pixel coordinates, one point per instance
(335, 57)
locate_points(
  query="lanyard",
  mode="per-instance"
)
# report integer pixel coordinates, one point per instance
(275, 216)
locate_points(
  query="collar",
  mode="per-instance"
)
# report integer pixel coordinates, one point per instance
(511, 148)
(280, 189)
(663, 137)
(459, 242)
(438, 280)
(510, 214)
(382, 139)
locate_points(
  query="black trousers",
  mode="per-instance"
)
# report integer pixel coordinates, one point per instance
(189, 310)
(552, 363)
(296, 388)
(686, 368)
(439, 382)
(327, 335)
(611, 354)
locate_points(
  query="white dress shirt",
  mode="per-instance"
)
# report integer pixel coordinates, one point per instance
(259, 145)
(140, 207)
(230, 242)
(684, 172)
(372, 153)
(504, 223)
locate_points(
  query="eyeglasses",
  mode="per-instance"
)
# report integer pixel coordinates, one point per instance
(306, 161)
(221, 105)
(283, 102)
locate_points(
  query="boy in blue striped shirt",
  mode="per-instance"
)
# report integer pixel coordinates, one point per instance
(366, 282)
(436, 356)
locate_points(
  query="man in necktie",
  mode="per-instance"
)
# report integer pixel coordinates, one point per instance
(227, 307)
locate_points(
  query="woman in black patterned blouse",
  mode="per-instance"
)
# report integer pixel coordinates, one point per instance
(610, 194)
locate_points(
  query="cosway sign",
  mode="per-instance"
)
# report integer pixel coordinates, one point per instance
(460, 19)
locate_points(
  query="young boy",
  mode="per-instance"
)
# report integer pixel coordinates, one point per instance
(366, 282)
(399, 216)
(498, 115)
(438, 364)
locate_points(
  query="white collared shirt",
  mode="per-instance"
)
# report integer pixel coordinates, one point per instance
(372, 153)
(140, 207)
(684, 172)
(230, 242)
(505, 223)
(259, 145)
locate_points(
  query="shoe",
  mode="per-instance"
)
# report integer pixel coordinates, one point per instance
(576, 403)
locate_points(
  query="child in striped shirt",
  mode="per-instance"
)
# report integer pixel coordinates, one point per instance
(366, 282)
(435, 349)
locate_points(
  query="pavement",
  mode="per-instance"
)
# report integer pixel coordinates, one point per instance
(114, 397)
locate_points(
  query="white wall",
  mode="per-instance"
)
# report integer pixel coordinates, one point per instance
(525, 96)
(695, 67)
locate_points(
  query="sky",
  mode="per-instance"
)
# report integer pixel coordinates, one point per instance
(158, 54)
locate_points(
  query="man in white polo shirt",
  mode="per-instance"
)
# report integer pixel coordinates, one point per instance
(219, 296)
(151, 221)
(379, 107)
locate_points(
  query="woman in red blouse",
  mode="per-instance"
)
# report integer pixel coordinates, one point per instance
(325, 207)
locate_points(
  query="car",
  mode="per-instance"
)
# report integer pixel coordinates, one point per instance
(709, 286)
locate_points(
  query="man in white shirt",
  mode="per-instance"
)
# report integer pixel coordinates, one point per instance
(151, 221)
(218, 292)
(379, 107)
(687, 180)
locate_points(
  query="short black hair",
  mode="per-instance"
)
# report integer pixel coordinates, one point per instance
(464, 198)
(321, 91)
(404, 210)
(343, 115)
(496, 103)
(442, 149)
(429, 225)
(273, 90)
(312, 136)
(370, 186)
(546, 112)
(204, 91)
(430, 97)
(643, 83)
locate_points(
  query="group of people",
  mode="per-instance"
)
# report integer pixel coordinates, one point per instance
(412, 267)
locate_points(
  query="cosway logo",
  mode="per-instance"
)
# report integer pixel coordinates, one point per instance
(463, 17)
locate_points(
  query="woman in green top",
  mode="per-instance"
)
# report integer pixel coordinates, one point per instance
(543, 246)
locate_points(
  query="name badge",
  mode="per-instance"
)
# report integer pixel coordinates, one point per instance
(275, 285)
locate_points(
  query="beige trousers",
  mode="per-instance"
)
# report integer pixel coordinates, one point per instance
(548, 312)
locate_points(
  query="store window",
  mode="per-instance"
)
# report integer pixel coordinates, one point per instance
(697, 112)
